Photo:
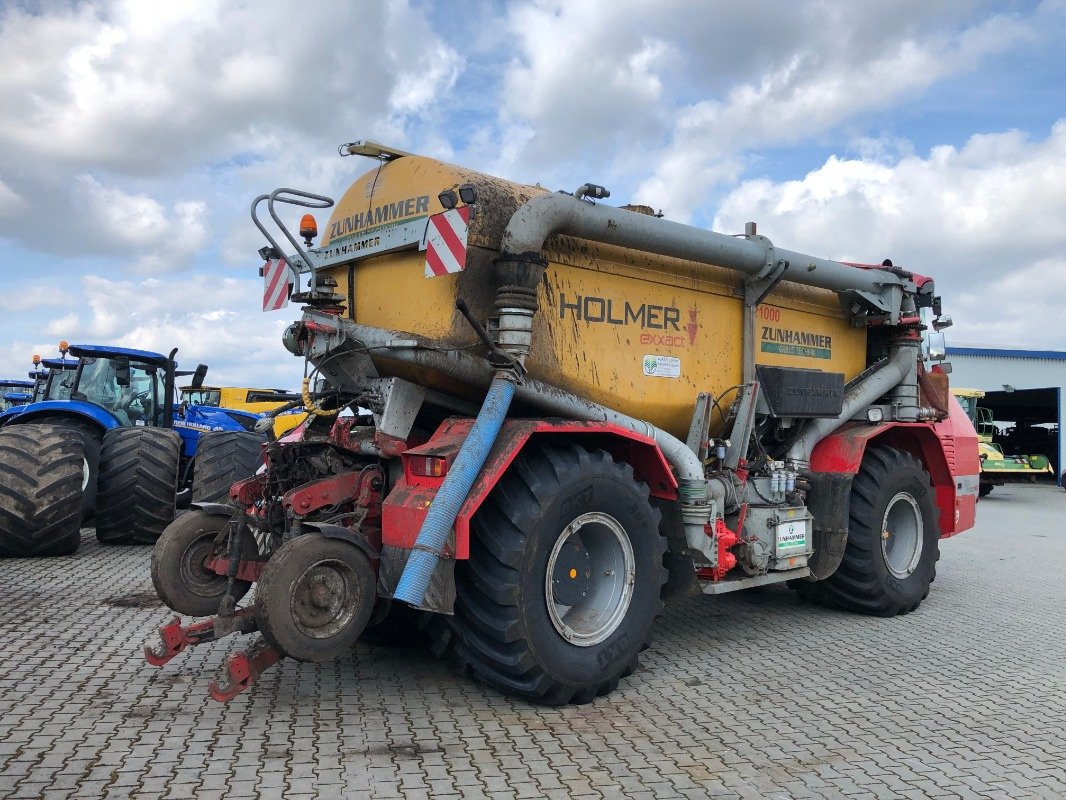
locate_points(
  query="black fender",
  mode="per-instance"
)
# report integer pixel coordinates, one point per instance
(828, 502)
(331, 531)
(221, 509)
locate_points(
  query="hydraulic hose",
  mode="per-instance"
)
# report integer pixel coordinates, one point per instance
(453, 492)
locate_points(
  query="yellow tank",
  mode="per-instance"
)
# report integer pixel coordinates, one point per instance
(639, 333)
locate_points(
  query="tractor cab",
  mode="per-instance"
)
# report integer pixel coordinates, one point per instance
(15, 393)
(54, 382)
(135, 386)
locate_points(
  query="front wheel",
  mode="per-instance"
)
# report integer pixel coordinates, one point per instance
(564, 578)
(893, 538)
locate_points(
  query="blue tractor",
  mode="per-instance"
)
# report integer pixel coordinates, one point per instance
(116, 451)
(15, 393)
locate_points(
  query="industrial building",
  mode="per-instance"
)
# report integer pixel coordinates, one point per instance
(1024, 390)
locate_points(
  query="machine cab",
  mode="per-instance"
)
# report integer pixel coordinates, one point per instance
(130, 384)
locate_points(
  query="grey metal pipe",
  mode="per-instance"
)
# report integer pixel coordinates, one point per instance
(900, 364)
(550, 214)
(476, 371)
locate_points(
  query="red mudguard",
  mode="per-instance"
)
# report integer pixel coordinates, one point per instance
(947, 449)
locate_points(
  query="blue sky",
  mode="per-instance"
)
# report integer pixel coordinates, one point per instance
(135, 134)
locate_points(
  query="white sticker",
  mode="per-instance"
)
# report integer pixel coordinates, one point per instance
(662, 366)
(792, 534)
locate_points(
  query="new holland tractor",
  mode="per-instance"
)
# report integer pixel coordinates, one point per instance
(107, 445)
(546, 414)
(15, 393)
(255, 401)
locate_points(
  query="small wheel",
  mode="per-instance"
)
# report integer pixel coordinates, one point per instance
(893, 538)
(985, 489)
(315, 597)
(180, 578)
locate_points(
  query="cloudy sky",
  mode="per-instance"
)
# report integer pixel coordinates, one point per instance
(133, 136)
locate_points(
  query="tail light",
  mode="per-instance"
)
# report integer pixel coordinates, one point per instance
(428, 466)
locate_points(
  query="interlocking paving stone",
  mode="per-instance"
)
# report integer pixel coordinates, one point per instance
(753, 695)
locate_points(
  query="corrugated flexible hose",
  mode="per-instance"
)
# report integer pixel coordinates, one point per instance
(453, 493)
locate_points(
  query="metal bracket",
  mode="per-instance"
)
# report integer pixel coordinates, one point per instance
(740, 434)
(755, 290)
(398, 403)
(700, 428)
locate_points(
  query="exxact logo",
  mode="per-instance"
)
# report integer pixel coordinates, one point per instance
(647, 316)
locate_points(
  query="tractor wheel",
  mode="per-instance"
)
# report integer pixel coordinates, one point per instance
(43, 468)
(222, 459)
(893, 539)
(315, 597)
(92, 439)
(564, 578)
(985, 489)
(138, 484)
(178, 573)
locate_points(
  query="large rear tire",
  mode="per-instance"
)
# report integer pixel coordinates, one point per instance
(564, 579)
(893, 539)
(43, 469)
(136, 496)
(222, 459)
(92, 439)
(315, 597)
(178, 573)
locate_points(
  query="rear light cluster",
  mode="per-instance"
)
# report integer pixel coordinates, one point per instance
(428, 466)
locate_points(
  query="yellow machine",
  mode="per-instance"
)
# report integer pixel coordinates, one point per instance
(536, 415)
(256, 401)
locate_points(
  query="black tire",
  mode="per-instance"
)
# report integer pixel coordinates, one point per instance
(40, 491)
(92, 439)
(985, 489)
(288, 617)
(864, 582)
(138, 485)
(399, 627)
(506, 634)
(178, 574)
(222, 459)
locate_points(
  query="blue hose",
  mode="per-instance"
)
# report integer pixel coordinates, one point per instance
(453, 493)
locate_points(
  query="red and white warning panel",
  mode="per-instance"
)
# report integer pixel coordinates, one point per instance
(445, 243)
(277, 284)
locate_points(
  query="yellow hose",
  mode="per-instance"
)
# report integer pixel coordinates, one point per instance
(309, 404)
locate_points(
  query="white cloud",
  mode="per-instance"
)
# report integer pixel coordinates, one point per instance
(981, 219)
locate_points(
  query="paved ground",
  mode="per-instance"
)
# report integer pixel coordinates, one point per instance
(752, 695)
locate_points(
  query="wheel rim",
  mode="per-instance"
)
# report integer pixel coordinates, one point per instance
(84, 474)
(324, 599)
(194, 573)
(589, 581)
(901, 535)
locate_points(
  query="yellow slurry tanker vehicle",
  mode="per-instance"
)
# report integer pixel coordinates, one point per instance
(543, 415)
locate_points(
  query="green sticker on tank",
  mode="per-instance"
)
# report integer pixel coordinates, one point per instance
(790, 342)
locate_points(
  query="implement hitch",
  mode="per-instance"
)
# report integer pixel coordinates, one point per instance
(242, 668)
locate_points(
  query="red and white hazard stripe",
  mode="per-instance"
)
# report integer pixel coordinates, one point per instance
(277, 284)
(446, 242)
